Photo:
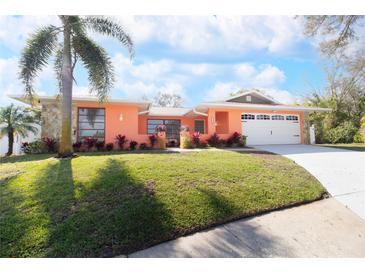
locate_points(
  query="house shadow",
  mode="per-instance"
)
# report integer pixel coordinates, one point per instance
(233, 237)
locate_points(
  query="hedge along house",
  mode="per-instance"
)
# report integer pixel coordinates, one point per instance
(259, 117)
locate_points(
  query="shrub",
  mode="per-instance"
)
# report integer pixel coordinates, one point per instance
(121, 140)
(50, 144)
(186, 142)
(243, 141)
(153, 139)
(76, 146)
(235, 139)
(344, 133)
(35, 147)
(132, 145)
(359, 137)
(99, 145)
(109, 146)
(90, 142)
(143, 146)
(203, 144)
(214, 140)
(24, 147)
(196, 139)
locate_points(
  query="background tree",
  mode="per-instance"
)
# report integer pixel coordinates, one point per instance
(17, 120)
(76, 45)
(345, 69)
(168, 100)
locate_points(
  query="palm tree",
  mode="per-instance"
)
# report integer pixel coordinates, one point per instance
(17, 120)
(75, 45)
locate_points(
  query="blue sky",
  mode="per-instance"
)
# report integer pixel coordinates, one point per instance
(202, 58)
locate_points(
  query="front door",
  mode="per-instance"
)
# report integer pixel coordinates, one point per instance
(172, 129)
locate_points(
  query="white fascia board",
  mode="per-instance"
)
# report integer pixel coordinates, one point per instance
(265, 107)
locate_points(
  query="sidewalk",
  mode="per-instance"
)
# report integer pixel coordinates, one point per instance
(321, 229)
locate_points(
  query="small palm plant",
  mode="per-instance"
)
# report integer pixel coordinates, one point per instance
(17, 120)
(76, 45)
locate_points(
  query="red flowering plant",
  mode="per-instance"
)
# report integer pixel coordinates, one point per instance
(121, 140)
(132, 145)
(50, 144)
(89, 142)
(153, 139)
(196, 139)
(214, 140)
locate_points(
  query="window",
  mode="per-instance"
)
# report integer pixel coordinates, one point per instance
(152, 124)
(277, 117)
(91, 123)
(248, 98)
(246, 116)
(199, 126)
(172, 127)
(263, 117)
(292, 118)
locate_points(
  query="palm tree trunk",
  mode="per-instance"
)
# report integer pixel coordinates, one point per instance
(10, 142)
(65, 148)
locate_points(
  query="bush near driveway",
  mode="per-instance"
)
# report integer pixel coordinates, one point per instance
(130, 201)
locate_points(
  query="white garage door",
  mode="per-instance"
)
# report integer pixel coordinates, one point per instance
(262, 129)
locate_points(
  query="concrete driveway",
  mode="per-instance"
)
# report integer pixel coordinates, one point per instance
(341, 171)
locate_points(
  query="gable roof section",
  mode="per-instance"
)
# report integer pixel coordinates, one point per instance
(253, 93)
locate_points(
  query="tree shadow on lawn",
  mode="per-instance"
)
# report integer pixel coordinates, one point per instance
(114, 214)
(34, 207)
(110, 215)
(238, 238)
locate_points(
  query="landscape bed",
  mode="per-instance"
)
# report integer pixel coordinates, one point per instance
(108, 204)
(352, 146)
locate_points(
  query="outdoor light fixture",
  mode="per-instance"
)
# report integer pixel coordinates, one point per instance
(121, 117)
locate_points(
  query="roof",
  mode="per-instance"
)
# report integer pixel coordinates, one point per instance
(204, 106)
(166, 111)
(143, 105)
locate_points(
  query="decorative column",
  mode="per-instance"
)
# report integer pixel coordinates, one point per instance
(306, 126)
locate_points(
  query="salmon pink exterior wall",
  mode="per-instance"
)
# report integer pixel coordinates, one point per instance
(234, 120)
(134, 126)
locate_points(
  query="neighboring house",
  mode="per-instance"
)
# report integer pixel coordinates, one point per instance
(262, 119)
(18, 140)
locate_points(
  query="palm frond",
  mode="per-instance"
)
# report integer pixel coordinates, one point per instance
(35, 55)
(98, 64)
(106, 26)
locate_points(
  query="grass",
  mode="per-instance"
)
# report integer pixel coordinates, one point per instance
(110, 204)
(352, 146)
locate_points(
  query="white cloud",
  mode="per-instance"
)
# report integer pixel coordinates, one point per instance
(15, 30)
(10, 84)
(207, 34)
(222, 90)
(269, 76)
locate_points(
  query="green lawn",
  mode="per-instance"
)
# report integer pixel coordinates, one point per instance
(353, 146)
(110, 204)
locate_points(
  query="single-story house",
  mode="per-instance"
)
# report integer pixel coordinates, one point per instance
(259, 117)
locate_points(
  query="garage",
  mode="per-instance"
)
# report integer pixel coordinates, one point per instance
(263, 128)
